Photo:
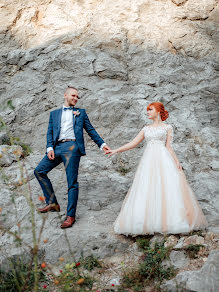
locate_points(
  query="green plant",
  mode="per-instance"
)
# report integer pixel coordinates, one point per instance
(123, 170)
(26, 149)
(71, 279)
(2, 124)
(143, 243)
(10, 105)
(151, 268)
(132, 279)
(90, 262)
(16, 141)
(193, 249)
(196, 232)
(9, 139)
(15, 279)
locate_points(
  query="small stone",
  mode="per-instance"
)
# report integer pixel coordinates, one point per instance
(171, 241)
(179, 259)
(94, 205)
(156, 238)
(209, 236)
(194, 239)
(115, 281)
(180, 243)
(8, 154)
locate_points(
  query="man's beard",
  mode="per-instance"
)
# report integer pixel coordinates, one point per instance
(71, 103)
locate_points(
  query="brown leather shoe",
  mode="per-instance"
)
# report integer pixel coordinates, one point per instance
(49, 208)
(69, 221)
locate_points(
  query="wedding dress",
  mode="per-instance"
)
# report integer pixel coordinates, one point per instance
(160, 198)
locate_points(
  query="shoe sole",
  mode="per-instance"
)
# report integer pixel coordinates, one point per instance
(67, 226)
(49, 211)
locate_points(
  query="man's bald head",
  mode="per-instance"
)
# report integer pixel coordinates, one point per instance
(71, 96)
(69, 88)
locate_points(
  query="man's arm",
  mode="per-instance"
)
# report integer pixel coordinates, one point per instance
(93, 133)
(50, 133)
(49, 144)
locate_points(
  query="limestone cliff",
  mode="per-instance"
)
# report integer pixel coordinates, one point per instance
(122, 55)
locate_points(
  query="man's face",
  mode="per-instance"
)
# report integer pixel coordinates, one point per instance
(71, 97)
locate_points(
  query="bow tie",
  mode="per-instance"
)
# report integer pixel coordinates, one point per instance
(68, 108)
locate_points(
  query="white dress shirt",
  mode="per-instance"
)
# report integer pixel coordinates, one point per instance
(67, 129)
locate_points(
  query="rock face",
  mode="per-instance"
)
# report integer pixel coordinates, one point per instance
(121, 56)
(8, 154)
(205, 279)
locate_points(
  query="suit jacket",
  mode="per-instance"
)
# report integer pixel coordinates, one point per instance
(80, 122)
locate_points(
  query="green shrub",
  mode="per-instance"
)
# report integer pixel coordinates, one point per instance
(20, 276)
(90, 262)
(150, 270)
(193, 249)
(122, 170)
(143, 243)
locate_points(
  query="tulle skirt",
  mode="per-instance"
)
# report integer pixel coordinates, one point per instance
(160, 199)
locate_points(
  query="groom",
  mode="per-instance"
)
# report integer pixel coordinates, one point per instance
(65, 143)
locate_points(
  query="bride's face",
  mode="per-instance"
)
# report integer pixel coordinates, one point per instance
(152, 113)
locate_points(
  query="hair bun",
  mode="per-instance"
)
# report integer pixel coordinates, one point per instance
(159, 107)
(164, 115)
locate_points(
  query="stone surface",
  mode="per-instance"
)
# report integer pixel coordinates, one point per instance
(171, 241)
(115, 282)
(121, 56)
(195, 239)
(156, 238)
(205, 279)
(179, 259)
(8, 154)
(180, 243)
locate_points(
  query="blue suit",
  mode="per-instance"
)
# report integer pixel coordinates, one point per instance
(69, 153)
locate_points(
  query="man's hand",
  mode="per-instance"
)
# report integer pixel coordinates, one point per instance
(106, 149)
(51, 154)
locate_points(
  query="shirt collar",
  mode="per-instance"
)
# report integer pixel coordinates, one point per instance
(65, 106)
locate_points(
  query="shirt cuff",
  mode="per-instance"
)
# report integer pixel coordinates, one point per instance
(101, 147)
(49, 149)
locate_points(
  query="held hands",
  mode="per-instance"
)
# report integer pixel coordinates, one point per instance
(108, 151)
(112, 152)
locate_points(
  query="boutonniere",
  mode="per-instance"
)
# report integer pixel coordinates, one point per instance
(76, 113)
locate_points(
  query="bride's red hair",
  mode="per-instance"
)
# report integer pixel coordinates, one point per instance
(159, 108)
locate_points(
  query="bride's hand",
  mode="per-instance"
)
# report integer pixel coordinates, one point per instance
(112, 152)
(178, 165)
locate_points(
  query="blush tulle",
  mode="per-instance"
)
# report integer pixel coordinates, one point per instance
(160, 199)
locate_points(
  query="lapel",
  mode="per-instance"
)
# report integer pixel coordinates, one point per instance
(59, 119)
(74, 118)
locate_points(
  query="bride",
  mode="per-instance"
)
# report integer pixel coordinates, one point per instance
(160, 198)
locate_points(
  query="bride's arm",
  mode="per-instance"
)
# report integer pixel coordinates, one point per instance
(138, 139)
(170, 149)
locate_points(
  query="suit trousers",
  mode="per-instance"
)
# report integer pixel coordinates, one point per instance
(69, 154)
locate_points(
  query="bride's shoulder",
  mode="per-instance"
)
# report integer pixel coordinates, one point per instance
(145, 127)
(168, 127)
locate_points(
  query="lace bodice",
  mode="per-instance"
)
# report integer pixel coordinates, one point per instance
(157, 135)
